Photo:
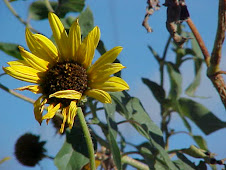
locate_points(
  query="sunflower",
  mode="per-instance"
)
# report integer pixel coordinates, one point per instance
(63, 74)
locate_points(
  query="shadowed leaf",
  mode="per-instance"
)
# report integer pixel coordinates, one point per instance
(156, 90)
(200, 115)
(10, 49)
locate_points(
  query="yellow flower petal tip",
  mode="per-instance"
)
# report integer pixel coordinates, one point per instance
(64, 73)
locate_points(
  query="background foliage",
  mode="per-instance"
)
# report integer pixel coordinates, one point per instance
(174, 97)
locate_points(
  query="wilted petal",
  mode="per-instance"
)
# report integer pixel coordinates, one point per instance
(67, 94)
(51, 111)
(33, 88)
(38, 108)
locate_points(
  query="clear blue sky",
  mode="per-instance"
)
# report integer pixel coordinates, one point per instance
(120, 24)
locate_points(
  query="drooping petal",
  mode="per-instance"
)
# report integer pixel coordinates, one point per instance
(113, 84)
(41, 46)
(33, 88)
(87, 48)
(51, 111)
(23, 73)
(60, 35)
(64, 114)
(74, 40)
(38, 108)
(67, 94)
(33, 61)
(18, 63)
(107, 57)
(100, 95)
(104, 72)
(72, 112)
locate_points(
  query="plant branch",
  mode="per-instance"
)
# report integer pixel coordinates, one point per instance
(17, 16)
(16, 94)
(220, 35)
(137, 164)
(87, 138)
(200, 41)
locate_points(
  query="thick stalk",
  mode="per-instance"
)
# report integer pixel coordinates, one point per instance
(87, 138)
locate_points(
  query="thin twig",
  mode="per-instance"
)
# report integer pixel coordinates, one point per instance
(134, 163)
(18, 17)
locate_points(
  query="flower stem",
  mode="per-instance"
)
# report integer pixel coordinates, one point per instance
(87, 138)
(48, 5)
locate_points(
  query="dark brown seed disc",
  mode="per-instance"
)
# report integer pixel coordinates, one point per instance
(65, 76)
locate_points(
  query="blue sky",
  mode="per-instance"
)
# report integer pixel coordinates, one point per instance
(120, 24)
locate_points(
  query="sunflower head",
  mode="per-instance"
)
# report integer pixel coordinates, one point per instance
(64, 74)
(29, 150)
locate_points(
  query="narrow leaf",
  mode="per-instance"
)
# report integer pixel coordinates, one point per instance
(201, 142)
(175, 82)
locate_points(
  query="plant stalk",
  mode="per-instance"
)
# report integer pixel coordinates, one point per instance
(87, 138)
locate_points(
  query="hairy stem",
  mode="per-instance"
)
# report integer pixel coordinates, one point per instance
(87, 138)
(130, 161)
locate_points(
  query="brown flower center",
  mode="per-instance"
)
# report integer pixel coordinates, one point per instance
(65, 76)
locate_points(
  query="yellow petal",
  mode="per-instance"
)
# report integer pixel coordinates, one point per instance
(104, 72)
(33, 88)
(60, 35)
(33, 61)
(67, 94)
(64, 114)
(72, 113)
(74, 40)
(51, 111)
(113, 84)
(18, 63)
(41, 46)
(23, 73)
(107, 57)
(100, 95)
(87, 48)
(38, 108)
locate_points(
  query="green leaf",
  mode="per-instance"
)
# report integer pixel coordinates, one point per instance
(39, 11)
(68, 159)
(112, 133)
(156, 156)
(200, 115)
(184, 163)
(66, 6)
(201, 142)
(101, 48)
(132, 109)
(76, 138)
(10, 49)
(175, 82)
(157, 90)
(86, 21)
